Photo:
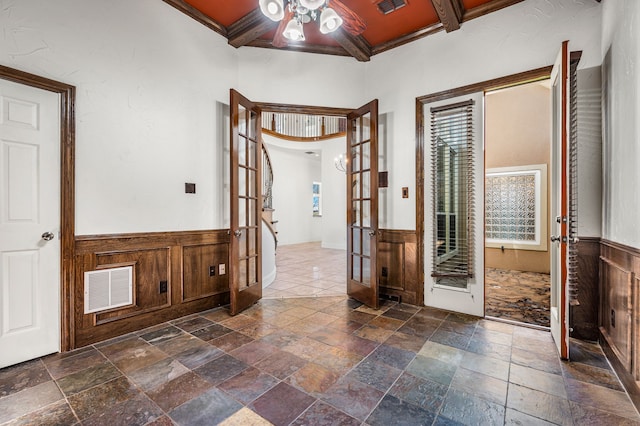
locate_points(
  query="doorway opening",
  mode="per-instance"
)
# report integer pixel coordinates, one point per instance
(304, 204)
(517, 217)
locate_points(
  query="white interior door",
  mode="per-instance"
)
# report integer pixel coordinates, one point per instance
(449, 285)
(29, 223)
(559, 200)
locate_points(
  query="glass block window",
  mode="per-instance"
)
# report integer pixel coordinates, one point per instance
(515, 208)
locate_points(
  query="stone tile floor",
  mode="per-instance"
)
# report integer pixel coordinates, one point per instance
(319, 361)
(518, 296)
(307, 270)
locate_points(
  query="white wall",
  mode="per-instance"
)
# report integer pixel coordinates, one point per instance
(334, 188)
(332, 231)
(621, 144)
(522, 37)
(147, 78)
(293, 175)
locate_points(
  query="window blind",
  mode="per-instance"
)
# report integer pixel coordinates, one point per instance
(452, 156)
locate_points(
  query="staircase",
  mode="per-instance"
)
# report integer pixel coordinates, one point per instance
(269, 232)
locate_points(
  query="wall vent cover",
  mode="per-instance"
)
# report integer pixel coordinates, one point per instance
(388, 6)
(107, 289)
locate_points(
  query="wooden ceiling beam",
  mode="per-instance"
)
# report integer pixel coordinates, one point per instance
(249, 27)
(356, 46)
(450, 13)
(194, 13)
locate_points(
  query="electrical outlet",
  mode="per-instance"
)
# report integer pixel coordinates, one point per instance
(385, 271)
(212, 271)
(222, 269)
(163, 286)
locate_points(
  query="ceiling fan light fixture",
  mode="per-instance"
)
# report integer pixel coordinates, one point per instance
(293, 31)
(312, 4)
(272, 9)
(329, 21)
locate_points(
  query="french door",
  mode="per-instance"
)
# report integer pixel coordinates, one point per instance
(560, 200)
(362, 204)
(453, 237)
(245, 257)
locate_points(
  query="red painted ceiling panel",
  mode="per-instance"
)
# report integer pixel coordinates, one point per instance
(416, 15)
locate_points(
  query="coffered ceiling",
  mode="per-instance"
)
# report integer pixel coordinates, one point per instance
(243, 24)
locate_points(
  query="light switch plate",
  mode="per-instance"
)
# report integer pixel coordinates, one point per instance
(222, 269)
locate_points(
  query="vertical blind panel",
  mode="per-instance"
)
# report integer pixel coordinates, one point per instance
(453, 186)
(572, 248)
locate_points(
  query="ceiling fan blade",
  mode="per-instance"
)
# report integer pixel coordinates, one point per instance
(279, 40)
(352, 24)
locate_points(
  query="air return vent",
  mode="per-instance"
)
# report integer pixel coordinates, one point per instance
(388, 6)
(107, 289)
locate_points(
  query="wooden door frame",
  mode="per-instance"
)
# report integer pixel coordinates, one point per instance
(67, 189)
(421, 101)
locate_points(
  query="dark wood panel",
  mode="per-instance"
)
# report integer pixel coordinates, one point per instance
(620, 291)
(174, 257)
(198, 281)
(616, 315)
(584, 317)
(397, 252)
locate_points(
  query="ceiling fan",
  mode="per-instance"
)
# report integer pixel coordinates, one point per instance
(292, 14)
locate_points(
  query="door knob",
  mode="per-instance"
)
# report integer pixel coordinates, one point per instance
(372, 232)
(555, 239)
(48, 236)
(237, 233)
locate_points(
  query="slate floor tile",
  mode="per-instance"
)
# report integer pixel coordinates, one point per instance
(432, 369)
(538, 380)
(600, 397)
(270, 404)
(97, 399)
(548, 362)
(158, 374)
(313, 379)
(221, 369)
(591, 416)
(470, 410)
(375, 374)
(281, 364)
(58, 413)
(392, 356)
(88, 378)
(245, 417)
(480, 385)
(539, 404)
(22, 376)
(28, 400)
(211, 332)
(406, 341)
(193, 324)
(590, 374)
(450, 338)
(421, 392)
(209, 408)
(178, 391)
(353, 397)
(393, 411)
(253, 352)
(231, 341)
(321, 414)
(138, 410)
(62, 367)
(248, 385)
(160, 335)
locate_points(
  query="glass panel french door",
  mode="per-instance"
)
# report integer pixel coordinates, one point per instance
(245, 257)
(559, 200)
(362, 204)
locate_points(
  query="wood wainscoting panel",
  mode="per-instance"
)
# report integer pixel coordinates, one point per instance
(620, 301)
(201, 274)
(175, 260)
(584, 317)
(398, 266)
(616, 315)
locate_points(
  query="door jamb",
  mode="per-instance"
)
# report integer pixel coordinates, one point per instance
(421, 101)
(67, 191)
